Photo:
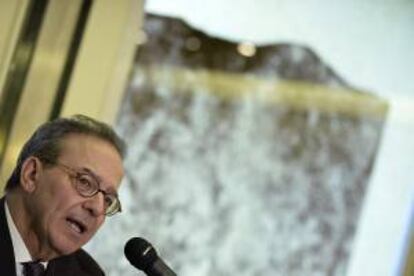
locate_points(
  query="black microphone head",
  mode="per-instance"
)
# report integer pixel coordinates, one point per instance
(140, 253)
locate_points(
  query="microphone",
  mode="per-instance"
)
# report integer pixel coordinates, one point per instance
(143, 256)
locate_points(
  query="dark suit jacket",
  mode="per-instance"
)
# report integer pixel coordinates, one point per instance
(78, 263)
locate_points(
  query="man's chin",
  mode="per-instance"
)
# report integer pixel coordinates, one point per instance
(62, 246)
(65, 250)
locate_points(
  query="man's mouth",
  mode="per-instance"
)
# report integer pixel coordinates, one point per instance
(78, 226)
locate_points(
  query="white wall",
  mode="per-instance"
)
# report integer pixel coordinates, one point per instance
(369, 43)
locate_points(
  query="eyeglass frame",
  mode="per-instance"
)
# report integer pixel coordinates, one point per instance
(75, 174)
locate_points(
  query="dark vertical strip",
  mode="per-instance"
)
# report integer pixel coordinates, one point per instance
(71, 58)
(20, 64)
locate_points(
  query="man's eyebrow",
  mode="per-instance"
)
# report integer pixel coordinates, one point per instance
(90, 172)
(110, 190)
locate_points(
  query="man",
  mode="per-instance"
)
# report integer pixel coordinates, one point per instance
(63, 186)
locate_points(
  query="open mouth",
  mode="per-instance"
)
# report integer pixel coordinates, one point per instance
(76, 225)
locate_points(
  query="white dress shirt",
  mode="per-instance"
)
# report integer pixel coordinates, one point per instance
(21, 253)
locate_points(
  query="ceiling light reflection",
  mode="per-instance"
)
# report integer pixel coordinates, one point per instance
(246, 49)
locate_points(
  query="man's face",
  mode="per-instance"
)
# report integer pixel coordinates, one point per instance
(64, 220)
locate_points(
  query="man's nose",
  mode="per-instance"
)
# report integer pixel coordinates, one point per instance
(95, 204)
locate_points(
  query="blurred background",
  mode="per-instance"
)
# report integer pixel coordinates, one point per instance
(265, 138)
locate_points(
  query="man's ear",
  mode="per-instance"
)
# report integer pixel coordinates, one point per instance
(29, 174)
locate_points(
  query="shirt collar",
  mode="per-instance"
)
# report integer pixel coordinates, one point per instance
(21, 253)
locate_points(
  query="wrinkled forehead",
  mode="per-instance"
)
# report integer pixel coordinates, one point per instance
(68, 138)
(94, 154)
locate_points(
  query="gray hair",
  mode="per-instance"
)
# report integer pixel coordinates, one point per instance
(45, 143)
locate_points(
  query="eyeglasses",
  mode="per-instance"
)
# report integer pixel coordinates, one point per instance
(87, 185)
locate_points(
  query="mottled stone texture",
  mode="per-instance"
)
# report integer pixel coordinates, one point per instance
(237, 186)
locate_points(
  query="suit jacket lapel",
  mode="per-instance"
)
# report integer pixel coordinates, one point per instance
(7, 261)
